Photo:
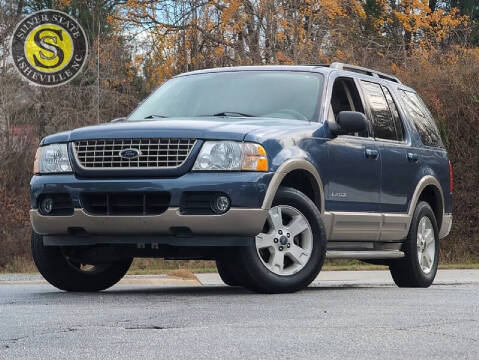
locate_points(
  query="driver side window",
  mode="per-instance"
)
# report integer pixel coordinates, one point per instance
(345, 97)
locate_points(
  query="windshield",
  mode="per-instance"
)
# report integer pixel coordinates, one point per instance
(270, 94)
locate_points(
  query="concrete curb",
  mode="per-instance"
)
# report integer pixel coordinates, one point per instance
(137, 280)
(367, 278)
(325, 279)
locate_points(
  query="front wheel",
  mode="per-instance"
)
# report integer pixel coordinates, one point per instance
(289, 253)
(66, 274)
(421, 249)
(226, 270)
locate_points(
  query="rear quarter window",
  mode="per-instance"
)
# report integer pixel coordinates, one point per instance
(422, 119)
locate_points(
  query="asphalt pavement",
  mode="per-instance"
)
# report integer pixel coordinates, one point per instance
(343, 315)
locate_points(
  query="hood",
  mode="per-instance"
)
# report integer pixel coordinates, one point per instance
(224, 128)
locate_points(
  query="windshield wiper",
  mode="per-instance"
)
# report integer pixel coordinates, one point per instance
(155, 116)
(232, 113)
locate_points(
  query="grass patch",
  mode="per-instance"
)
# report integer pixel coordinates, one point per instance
(187, 268)
(348, 264)
(458, 266)
(161, 266)
(19, 265)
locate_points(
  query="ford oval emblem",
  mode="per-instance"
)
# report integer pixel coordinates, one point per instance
(130, 154)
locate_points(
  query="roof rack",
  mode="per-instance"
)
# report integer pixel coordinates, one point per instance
(363, 70)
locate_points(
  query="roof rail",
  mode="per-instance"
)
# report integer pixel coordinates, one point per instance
(365, 71)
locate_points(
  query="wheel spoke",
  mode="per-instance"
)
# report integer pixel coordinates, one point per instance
(277, 261)
(431, 252)
(298, 254)
(426, 260)
(420, 236)
(428, 234)
(430, 239)
(297, 225)
(421, 259)
(264, 240)
(429, 260)
(276, 216)
(423, 227)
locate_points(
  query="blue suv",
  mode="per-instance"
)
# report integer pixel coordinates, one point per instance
(267, 170)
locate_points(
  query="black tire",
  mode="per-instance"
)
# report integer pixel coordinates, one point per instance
(226, 270)
(62, 274)
(407, 272)
(258, 278)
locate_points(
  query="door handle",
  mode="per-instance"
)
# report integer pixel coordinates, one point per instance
(372, 154)
(412, 157)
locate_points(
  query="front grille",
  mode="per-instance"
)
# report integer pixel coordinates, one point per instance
(125, 203)
(152, 153)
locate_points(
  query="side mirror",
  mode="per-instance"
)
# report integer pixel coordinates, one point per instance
(121, 119)
(350, 122)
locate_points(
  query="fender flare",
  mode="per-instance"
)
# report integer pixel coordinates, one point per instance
(284, 169)
(422, 184)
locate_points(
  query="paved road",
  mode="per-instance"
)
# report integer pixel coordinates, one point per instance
(330, 320)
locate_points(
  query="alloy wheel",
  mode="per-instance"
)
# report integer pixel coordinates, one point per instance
(286, 244)
(426, 244)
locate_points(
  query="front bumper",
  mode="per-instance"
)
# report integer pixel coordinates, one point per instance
(237, 221)
(246, 217)
(245, 189)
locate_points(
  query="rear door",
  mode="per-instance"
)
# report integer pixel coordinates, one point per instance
(431, 154)
(399, 162)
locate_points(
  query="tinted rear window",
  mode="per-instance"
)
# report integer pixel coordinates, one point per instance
(383, 121)
(422, 119)
(394, 111)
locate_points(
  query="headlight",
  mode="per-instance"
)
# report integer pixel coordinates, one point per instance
(231, 155)
(52, 159)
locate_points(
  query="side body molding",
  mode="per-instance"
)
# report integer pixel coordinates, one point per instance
(382, 227)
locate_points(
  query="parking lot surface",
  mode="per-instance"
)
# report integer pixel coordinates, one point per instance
(349, 316)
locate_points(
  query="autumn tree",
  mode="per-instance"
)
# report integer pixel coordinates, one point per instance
(135, 45)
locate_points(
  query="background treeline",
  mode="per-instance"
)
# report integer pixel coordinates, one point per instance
(431, 45)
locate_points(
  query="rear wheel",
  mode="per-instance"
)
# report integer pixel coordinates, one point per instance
(421, 249)
(65, 273)
(289, 253)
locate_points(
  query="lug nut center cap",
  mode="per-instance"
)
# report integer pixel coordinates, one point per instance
(283, 240)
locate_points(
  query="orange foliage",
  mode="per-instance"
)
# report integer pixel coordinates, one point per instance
(242, 32)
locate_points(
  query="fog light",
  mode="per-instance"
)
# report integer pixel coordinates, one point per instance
(46, 205)
(220, 204)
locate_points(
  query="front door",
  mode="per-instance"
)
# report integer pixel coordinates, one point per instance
(352, 190)
(354, 160)
(354, 181)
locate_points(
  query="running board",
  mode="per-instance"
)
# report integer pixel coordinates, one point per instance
(380, 254)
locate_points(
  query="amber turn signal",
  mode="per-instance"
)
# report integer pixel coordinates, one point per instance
(254, 158)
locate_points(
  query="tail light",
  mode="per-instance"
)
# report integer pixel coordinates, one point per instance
(451, 178)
